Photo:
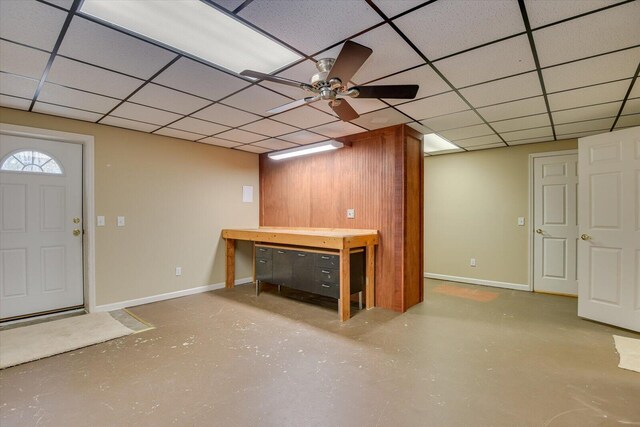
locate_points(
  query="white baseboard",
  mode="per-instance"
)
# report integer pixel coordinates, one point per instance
(517, 286)
(168, 295)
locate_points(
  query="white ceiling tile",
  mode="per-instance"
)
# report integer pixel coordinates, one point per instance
(486, 147)
(230, 5)
(22, 60)
(61, 95)
(301, 72)
(168, 99)
(632, 106)
(430, 83)
(509, 110)
(304, 117)
(606, 68)
(612, 29)
(543, 12)
(420, 128)
(529, 122)
(392, 8)
(220, 142)
(478, 141)
(599, 94)
(225, 115)
(30, 22)
(467, 132)
(56, 110)
(203, 127)
(144, 114)
(381, 119)
(434, 106)
(545, 132)
(103, 46)
(452, 121)
(65, 4)
(592, 125)
(366, 105)
(176, 133)
(22, 87)
(191, 76)
(531, 140)
(592, 112)
(310, 25)
(626, 121)
(490, 62)
(129, 124)
(268, 127)
(252, 149)
(581, 134)
(303, 137)
(240, 136)
(445, 27)
(256, 99)
(509, 89)
(635, 92)
(390, 54)
(337, 129)
(13, 102)
(81, 76)
(274, 144)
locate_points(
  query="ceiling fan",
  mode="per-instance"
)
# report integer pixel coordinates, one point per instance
(330, 83)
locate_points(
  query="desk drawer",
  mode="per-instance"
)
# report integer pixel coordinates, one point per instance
(329, 261)
(263, 252)
(264, 270)
(327, 275)
(327, 289)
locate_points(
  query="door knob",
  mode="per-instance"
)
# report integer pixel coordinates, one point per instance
(585, 237)
(76, 220)
(539, 231)
(76, 232)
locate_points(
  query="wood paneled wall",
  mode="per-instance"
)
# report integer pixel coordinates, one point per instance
(380, 175)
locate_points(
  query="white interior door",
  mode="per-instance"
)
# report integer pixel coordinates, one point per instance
(555, 223)
(609, 210)
(40, 226)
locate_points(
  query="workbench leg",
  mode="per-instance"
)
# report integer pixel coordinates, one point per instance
(371, 276)
(231, 263)
(344, 304)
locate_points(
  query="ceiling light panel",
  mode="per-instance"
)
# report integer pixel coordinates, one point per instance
(606, 68)
(141, 113)
(31, 23)
(612, 29)
(504, 90)
(75, 74)
(490, 62)
(293, 21)
(445, 27)
(23, 87)
(599, 94)
(429, 81)
(21, 60)
(546, 12)
(433, 143)
(228, 116)
(61, 95)
(197, 29)
(57, 110)
(168, 99)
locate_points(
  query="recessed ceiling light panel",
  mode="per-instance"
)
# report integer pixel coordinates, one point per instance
(195, 28)
(434, 142)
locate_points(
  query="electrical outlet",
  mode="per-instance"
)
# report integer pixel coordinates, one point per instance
(101, 221)
(520, 220)
(473, 262)
(178, 271)
(120, 221)
(351, 213)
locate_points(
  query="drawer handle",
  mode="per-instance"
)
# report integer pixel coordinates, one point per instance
(325, 286)
(262, 249)
(262, 261)
(302, 254)
(325, 271)
(280, 252)
(325, 257)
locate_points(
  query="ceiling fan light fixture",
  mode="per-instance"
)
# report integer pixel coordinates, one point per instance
(306, 149)
(197, 29)
(434, 142)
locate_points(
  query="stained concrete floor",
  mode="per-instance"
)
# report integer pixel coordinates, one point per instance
(229, 358)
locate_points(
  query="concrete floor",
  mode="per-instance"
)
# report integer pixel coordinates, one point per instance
(467, 356)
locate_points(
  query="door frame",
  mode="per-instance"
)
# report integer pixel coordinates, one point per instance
(88, 200)
(530, 227)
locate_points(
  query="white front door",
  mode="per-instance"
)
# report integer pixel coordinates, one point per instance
(555, 224)
(40, 226)
(609, 249)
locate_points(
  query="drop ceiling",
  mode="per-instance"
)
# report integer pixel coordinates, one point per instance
(492, 73)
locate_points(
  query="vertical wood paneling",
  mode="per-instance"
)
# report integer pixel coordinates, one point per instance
(368, 176)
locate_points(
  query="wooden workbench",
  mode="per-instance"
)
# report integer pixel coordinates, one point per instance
(340, 239)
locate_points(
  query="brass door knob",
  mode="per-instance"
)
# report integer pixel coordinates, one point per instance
(539, 231)
(76, 220)
(76, 232)
(585, 237)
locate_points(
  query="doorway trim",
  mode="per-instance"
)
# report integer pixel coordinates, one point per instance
(88, 200)
(530, 230)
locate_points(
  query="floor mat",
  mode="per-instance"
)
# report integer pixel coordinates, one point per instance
(26, 343)
(629, 350)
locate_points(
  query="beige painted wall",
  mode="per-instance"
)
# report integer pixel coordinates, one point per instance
(472, 202)
(176, 196)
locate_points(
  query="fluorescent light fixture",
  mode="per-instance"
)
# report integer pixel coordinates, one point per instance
(196, 29)
(433, 143)
(306, 149)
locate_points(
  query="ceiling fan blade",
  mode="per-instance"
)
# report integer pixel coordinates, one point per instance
(349, 61)
(275, 79)
(344, 110)
(294, 104)
(390, 91)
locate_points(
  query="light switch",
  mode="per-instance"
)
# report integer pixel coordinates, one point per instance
(100, 221)
(351, 213)
(120, 221)
(247, 194)
(520, 220)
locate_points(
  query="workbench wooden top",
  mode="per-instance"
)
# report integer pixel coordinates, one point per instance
(334, 238)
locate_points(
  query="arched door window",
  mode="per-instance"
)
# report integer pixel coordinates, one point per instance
(31, 161)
